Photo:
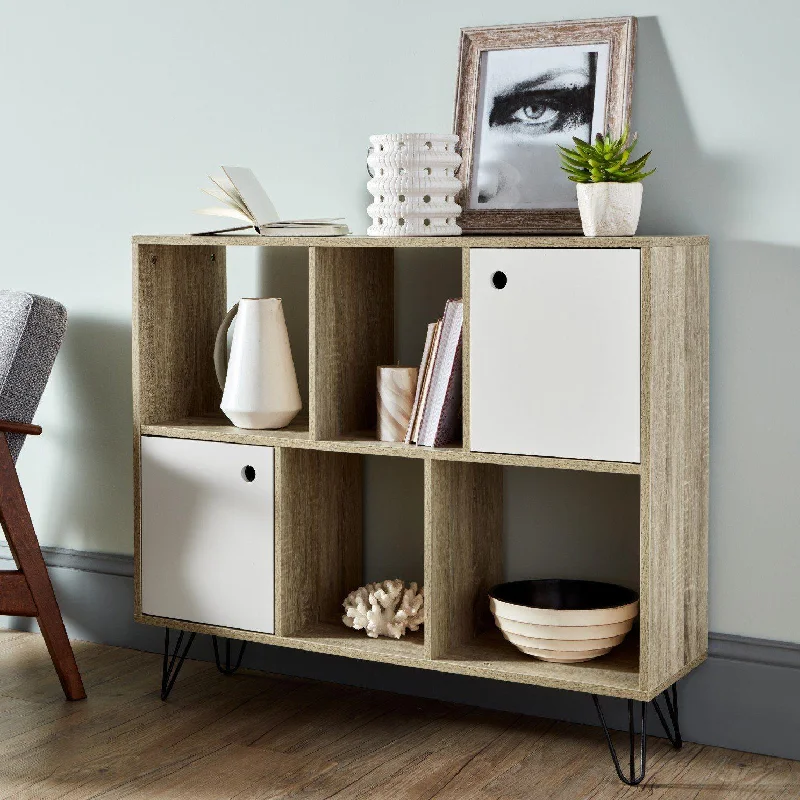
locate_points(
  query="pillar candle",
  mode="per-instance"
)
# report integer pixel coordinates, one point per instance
(396, 389)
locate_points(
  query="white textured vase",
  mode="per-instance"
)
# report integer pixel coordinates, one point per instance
(259, 382)
(610, 209)
(414, 184)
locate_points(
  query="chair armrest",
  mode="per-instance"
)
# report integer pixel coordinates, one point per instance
(6, 426)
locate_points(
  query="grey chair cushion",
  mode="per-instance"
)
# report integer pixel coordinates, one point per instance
(31, 331)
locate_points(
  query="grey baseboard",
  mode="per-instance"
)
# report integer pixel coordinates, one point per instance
(101, 563)
(746, 696)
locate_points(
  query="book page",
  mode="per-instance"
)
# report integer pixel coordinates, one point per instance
(225, 198)
(225, 186)
(255, 199)
(224, 212)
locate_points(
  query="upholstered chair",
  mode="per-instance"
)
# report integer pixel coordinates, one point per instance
(31, 331)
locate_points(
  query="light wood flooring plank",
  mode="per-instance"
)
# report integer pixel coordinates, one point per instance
(265, 737)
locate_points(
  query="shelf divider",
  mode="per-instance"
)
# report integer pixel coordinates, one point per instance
(351, 320)
(463, 551)
(318, 536)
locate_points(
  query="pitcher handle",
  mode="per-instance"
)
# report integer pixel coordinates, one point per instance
(221, 347)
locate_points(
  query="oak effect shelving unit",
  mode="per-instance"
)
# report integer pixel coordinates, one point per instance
(179, 301)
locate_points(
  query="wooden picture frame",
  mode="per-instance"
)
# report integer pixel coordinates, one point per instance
(607, 45)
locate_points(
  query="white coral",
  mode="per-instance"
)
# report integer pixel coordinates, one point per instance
(385, 609)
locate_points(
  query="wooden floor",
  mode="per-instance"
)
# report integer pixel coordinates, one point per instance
(253, 737)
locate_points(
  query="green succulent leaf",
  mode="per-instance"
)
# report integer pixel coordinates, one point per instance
(639, 163)
(575, 162)
(605, 158)
(584, 150)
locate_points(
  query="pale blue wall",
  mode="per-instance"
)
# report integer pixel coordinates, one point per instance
(113, 113)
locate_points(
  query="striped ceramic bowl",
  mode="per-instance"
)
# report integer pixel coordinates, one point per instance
(561, 620)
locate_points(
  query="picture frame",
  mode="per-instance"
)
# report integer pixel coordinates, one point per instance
(521, 90)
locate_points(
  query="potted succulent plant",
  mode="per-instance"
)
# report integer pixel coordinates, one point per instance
(609, 186)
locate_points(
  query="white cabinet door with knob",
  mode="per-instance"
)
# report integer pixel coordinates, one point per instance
(208, 519)
(554, 349)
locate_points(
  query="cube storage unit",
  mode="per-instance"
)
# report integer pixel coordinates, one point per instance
(579, 354)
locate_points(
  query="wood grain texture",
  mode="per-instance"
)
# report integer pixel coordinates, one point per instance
(463, 551)
(16, 523)
(6, 426)
(365, 443)
(618, 33)
(318, 538)
(491, 656)
(257, 736)
(351, 317)
(218, 428)
(381, 242)
(487, 656)
(179, 297)
(15, 594)
(674, 503)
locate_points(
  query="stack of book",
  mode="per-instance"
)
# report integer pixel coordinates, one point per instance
(436, 413)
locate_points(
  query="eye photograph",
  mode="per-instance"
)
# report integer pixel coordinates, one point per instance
(530, 101)
(523, 91)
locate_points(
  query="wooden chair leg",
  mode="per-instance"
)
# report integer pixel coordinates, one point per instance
(21, 536)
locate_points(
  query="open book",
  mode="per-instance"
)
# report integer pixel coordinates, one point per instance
(244, 198)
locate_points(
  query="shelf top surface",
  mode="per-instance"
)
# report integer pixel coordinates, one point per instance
(461, 242)
(219, 429)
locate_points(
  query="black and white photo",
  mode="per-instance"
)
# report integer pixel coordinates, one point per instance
(523, 90)
(530, 101)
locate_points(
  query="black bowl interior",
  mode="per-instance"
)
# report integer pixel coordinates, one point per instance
(563, 595)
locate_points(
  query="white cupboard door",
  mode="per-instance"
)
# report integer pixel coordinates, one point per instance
(554, 344)
(207, 547)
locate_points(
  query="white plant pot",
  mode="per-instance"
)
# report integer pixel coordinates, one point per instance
(414, 184)
(609, 209)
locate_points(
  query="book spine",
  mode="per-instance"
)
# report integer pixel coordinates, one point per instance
(447, 430)
(423, 402)
(445, 360)
(426, 352)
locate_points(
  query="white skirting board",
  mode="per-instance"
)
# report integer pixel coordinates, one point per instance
(744, 697)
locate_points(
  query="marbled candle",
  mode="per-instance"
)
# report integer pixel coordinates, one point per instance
(396, 389)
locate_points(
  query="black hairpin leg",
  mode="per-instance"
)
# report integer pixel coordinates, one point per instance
(672, 709)
(674, 736)
(172, 666)
(228, 669)
(632, 779)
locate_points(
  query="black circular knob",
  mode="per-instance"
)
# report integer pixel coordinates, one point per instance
(499, 280)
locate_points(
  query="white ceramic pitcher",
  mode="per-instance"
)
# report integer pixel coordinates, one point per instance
(259, 381)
